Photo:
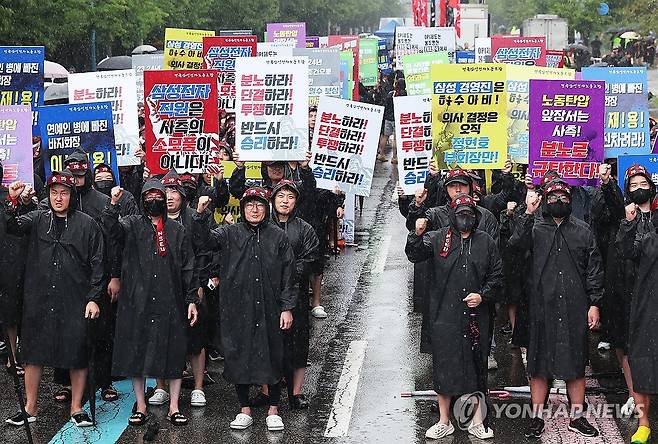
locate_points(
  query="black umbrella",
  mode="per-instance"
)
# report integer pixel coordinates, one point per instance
(115, 63)
(575, 46)
(91, 376)
(473, 329)
(17, 384)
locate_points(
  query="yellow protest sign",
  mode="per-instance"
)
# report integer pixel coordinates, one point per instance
(469, 120)
(184, 48)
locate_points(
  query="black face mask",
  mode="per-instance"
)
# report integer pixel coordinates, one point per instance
(559, 209)
(465, 222)
(640, 196)
(155, 207)
(105, 186)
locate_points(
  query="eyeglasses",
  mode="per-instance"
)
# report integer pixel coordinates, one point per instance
(562, 198)
(254, 205)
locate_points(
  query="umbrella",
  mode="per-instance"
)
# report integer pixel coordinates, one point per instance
(631, 35)
(473, 330)
(56, 92)
(144, 49)
(114, 63)
(575, 46)
(91, 376)
(17, 383)
(52, 70)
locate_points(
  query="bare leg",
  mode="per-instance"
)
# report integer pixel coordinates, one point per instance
(32, 380)
(273, 410)
(298, 381)
(511, 312)
(138, 388)
(198, 363)
(161, 384)
(628, 377)
(642, 401)
(78, 381)
(538, 392)
(383, 140)
(576, 391)
(174, 389)
(444, 408)
(12, 332)
(316, 285)
(265, 390)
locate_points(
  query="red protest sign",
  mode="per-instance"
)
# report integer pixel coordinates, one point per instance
(181, 117)
(515, 50)
(345, 42)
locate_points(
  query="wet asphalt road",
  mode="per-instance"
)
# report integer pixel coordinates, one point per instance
(362, 357)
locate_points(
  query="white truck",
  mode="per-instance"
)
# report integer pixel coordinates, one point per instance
(553, 27)
(474, 24)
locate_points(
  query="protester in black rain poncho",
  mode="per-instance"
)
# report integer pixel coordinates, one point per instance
(157, 297)
(104, 181)
(257, 293)
(642, 246)
(65, 253)
(566, 286)
(467, 273)
(304, 243)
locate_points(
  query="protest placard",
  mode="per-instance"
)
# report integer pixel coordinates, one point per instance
(566, 129)
(183, 48)
(413, 139)
(515, 50)
(21, 78)
(65, 128)
(348, 222)
(252, 172)
(16, 144)
(346, 82)
(482, 49)
(554, 59)
(417, 71)
(345, 144)
(145, 62)
(464, 57)
(649, 161)
(418, 40)
(469, 119)
(323, 72)
(383, 58)
(626, 108)
(272, 108)
(181, 120)
(344, 43)
(312, 42)
(220, 53)
(368, 70)
(293, 34)
(120, 89)
(518, 90)
(270, 49)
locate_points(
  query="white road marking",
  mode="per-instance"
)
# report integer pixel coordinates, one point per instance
(380, 262)
(341, 411)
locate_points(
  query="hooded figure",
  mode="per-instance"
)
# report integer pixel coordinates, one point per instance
(104, 181)
(565, 290)
(194, 189)
(304, 243)
(65, 254)
(465, 265)
(257, 292)
(89, 201)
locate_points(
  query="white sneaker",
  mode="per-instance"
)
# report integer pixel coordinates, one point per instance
(160, 397)
(198, 398)
(274, 423)
(241, 421)
(629, 408)
(479, 431)
(318, 312)
(603, 346)
(491, 363)
(439, 430)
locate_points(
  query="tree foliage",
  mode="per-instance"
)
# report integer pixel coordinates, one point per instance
(64, 26)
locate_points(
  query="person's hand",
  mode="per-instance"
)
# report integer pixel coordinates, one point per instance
(217, 170)
(192, 314)
(147, 174)
(508, 167)
(421, 226)
(92, 311)
(399, 190)
(473, 300)
(511, 206)
(433, 168)
(113, 289)
(27, 194)
(631, 211)
(528, 182)
(116, 194)
(203, 203)
(593, 317)
(16, 189)
(140, 154)
(604, 172)
(286, 320)
(229, 219)
(421, 195)
(304, 163)
(532, 201)
(337, 191)
(340, 212)
(199, 294)
(236, 159)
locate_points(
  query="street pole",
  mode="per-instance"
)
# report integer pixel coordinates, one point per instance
(92, 38)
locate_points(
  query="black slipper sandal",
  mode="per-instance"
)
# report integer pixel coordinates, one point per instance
(177, 419)
(63, 396)
(137, 419)
(17, 370)
(110, 394)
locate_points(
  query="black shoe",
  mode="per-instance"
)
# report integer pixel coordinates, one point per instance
(434, 407)
(535, 429)
(582, 426)
(18, 419)
(81, 419)
(298, 402)
(260, 400)
(214, 355)
(506, 329)
(3, 348)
